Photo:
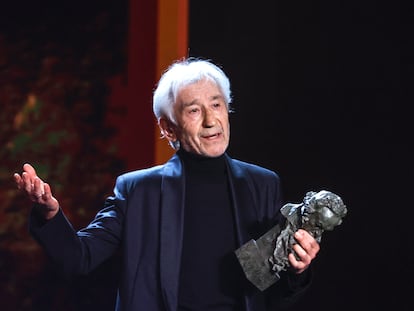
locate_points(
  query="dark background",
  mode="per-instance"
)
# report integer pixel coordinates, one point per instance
(322, 95)
(322, 91)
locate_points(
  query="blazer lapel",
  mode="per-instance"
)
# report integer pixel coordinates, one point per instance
(171, 232)
(245, 212)
(244, 207)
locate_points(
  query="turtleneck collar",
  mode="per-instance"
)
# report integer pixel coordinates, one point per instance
(199, 164)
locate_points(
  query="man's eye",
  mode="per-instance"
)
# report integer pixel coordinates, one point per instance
(193, 111)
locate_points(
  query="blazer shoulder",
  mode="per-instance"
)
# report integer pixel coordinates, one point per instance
(141, 175)
(151, 175)
(252, 169)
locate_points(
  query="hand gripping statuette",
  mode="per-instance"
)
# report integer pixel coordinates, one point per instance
(264, 258)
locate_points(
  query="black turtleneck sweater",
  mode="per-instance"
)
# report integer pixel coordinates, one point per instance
(209, 274)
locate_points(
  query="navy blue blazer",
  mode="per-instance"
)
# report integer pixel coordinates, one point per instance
(144, 220)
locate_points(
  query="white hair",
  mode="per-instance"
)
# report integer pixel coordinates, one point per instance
(181, 74)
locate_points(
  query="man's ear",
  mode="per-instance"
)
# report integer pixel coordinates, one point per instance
(167, 129)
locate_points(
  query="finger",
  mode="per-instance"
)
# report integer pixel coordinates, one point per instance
(294, 261)
(38, 187)
(47, 191)
(18, 180)
(29, 169)
(28, 183)
(313, 250)
(302, 254)
(307, 242)
(48, 198)
(297, 265)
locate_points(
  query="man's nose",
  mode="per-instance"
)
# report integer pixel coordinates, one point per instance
(209, 118)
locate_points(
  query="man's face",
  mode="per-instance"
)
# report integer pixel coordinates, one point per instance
(202, 119)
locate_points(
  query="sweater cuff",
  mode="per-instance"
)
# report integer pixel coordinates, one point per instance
(37, 224)
(299, 281)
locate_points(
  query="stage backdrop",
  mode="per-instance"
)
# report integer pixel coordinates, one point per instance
(75, 99)
(321, 95)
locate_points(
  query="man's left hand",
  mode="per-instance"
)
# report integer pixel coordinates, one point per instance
(306, 250)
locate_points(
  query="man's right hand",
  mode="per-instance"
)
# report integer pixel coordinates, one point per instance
(37, 191)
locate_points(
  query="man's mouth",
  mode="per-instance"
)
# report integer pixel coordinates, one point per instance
(212, 136)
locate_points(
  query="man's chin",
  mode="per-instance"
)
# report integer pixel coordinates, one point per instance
(214, 152)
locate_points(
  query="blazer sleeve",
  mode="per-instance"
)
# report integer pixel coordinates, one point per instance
(79, 252)
(288, 290)
(266, 187)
